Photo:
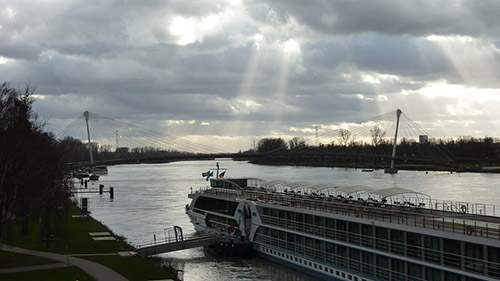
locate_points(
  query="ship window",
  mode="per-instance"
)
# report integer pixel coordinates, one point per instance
(354, 257)
(319, 250)
(448, 276)
(354, 232)
(341, 230)
(413, 244)
(432, 274)
(216, 205)
(451, 255)
(330, 252)
(398, 270)
(309, 223)
(494, 261)
(330, 228)
(381, 238)
(368, 263)
(290, 218)
(342, 256)
(382, 269)
(309, 247)
(473, 257)
(397, 241)
(414, 272)
(319, 226)
(431, 251)
(367, 235)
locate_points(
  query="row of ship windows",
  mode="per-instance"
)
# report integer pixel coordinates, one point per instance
(430, 248)
(326, 269)
(353, 259)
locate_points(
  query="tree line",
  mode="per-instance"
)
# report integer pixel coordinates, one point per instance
(77, 151)
(34, 184)
(464, 148)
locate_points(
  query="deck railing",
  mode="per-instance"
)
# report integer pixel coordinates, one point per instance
(446, 216)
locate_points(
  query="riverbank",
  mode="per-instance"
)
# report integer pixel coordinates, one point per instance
(318, 162)
(82, 240)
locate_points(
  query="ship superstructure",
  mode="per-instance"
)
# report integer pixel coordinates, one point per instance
(352, 232)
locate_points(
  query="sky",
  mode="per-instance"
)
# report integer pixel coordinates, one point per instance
(227, 73)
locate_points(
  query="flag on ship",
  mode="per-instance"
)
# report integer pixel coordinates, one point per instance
(209, 175)
(221, 175)
(205, 174)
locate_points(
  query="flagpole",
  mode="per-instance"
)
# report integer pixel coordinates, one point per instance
(217, 170)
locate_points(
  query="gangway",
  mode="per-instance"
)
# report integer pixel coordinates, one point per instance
(174, 242)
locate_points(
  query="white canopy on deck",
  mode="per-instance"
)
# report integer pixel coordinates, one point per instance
(347, 189)
(393, 191)
(350, 189)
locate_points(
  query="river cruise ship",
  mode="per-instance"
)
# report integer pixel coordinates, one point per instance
(352, 233)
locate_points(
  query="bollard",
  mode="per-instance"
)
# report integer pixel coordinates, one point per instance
(111, 193)
(85, 183)
(101, 187)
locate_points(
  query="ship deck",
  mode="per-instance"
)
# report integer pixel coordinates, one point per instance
(417, 215)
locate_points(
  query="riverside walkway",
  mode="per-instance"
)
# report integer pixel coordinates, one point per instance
(98, 271)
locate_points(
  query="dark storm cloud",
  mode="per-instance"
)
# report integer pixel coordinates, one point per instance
(396, 17)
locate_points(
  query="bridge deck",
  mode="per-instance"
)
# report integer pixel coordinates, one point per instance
(166, 247)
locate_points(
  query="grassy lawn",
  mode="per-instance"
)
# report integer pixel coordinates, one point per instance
(75, 239)
(134, 268)
(56, 274)
(9, 259)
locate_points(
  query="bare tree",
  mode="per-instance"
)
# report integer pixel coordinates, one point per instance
(297, 143)
(346, 138)
(377, 135)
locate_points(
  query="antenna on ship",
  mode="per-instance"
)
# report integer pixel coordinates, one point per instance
(217, 170)
(393, 170)
(86, 115)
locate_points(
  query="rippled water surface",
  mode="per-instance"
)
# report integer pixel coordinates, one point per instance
(152, 197)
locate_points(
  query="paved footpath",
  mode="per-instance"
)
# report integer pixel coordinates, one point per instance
(97, 271)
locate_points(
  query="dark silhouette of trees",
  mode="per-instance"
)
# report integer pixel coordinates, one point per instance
(297, 143)
(33, 183)
(271, 144)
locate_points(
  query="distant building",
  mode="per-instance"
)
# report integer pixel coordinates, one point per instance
(423, 139)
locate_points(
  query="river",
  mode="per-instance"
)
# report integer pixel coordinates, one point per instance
(151, 197)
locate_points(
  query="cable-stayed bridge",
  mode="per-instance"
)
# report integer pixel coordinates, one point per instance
(114, 141)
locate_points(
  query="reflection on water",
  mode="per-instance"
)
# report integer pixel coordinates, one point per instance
(152, 197)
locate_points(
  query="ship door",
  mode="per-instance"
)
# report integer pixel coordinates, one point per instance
(247, 216)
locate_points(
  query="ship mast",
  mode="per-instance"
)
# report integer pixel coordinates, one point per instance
(393, 170)
(86, 115)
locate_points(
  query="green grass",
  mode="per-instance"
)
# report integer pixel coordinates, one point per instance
(55, 274)
(75, 239)
(129, 267)
(9, 259)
